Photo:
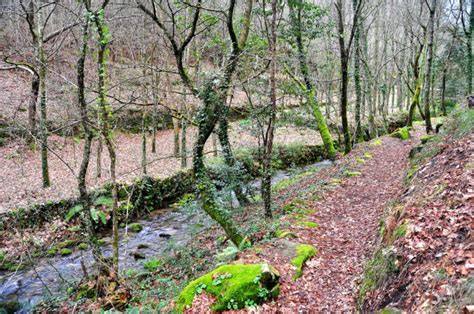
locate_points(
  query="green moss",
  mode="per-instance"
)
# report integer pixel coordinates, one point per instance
(400, 231)
(51, 252)
(309, 224)
(303, 253)
(234, 286)
(65, 252)
(352, 173)
(360, 160)
(82, 246)
(389, 310)
(426, 138)
(152, 264)
(65, 244)
(284, 234)
(401, 133)
(376, 142)
(377, 271)
(7, 264)
(368, 155)
(135, 227)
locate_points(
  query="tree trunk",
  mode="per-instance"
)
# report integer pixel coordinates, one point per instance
(296, 25)
(86, 221)
(429, 62)
(268, 139)
(357, 81)
(443, 92)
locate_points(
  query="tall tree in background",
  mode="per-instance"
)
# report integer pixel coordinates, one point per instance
(344, 50)
(305, 18)
(467, 21)
(429, 64)
(357, 75)
(268, 137)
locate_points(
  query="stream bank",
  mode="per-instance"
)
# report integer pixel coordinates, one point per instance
(165, 228)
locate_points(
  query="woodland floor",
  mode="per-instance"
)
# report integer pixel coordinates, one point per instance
(348, 210)
(20, 167)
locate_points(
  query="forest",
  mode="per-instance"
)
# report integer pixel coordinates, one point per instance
(262, 156)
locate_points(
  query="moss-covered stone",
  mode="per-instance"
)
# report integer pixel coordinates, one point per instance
(65, 252)
(304, 252)
(82, 246)
(401, 133)
(135, 227)
(233, 286)
(66, 244)
(360, 160)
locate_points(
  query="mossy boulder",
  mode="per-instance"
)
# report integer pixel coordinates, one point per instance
(82, 246)
(234, 286)
(401, 133)
(304, 252)
(135, 227)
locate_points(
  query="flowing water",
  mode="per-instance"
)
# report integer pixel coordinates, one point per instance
(50, 276)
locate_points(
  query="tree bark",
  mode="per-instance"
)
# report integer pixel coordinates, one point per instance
(428, 65)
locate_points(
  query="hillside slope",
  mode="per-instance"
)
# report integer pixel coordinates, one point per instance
(426, 260)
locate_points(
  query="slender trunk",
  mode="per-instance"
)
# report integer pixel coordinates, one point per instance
(176, 130)
(184, 127)
(32, 109)
(86, 221)
(296, 24)
(470, 35)
(357, 81)
(105, 117)
(144, 161)
(268, 140)
(428, 65)
(443, 92)
(41, 61)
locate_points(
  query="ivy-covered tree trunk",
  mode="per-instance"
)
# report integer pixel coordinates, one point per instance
(86, 220)
(229, 158)
(207, 119)
(105, 127)
(297, 32)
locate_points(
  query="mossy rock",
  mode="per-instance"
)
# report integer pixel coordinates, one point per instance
(65, 252)
(304, 252)
(135, 227)
(82, 246)
(401, 133)
(426, 138)
(233, 286)
(368, 155)
(309, 224)
(360, 160)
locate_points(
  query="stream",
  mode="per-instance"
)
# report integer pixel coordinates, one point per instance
(164, 227)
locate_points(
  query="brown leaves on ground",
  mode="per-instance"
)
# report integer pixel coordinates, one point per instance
(348, 215)
(437, 253)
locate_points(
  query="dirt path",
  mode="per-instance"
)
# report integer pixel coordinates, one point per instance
(348, 214)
